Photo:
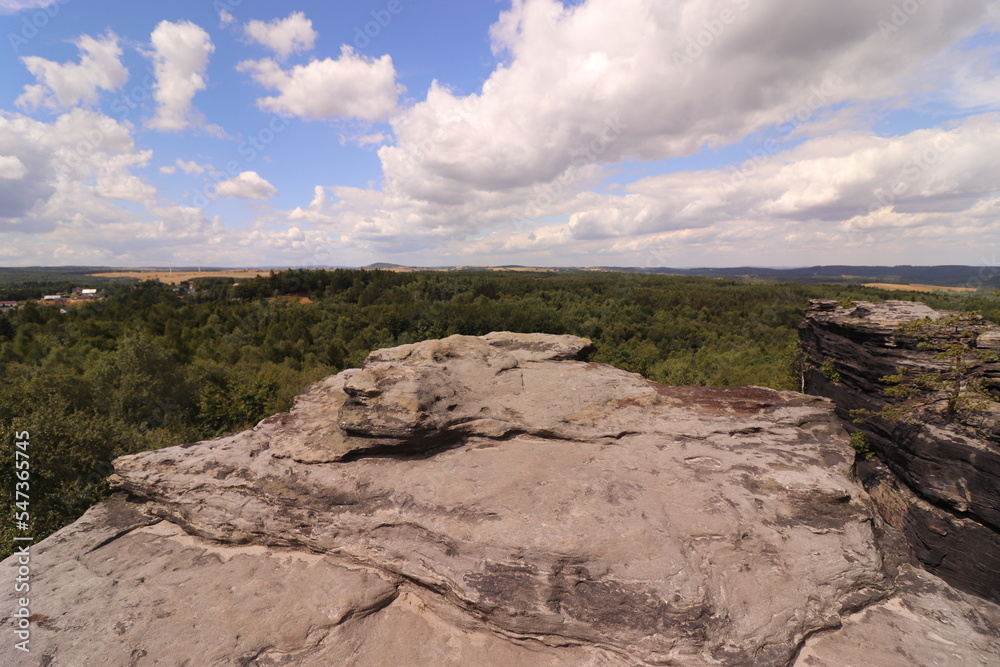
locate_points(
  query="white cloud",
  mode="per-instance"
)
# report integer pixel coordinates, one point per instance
(247, 185)
(64, 85)
(225, 18)
(316, 212)
(352, 86)
(583, 87)
(371, 139)
(68, 206)
(871, 197)
(518, 171)
(180, 57)
(188, 167)
(11, 168)
(619, 76)
(845, 181)
(284, 36)
(75, 168)
(15, 6)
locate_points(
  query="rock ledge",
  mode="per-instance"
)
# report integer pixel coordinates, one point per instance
(499, 501)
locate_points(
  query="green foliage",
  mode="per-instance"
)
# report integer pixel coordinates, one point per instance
(861, 445)
(957, 389)
(829, 369)
(149, 367)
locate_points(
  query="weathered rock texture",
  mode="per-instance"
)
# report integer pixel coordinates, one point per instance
(498, 501)
(940, 483)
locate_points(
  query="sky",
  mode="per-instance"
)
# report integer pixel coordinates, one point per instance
(683, 133)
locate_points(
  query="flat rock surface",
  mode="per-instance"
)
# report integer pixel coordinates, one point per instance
(488, 501)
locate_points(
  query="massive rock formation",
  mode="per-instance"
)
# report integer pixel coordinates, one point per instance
(939, 483)
(500, 501)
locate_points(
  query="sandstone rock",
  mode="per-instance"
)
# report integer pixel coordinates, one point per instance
(490, 501)
(953, 469)
(913, 627)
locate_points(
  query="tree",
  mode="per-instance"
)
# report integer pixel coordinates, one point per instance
(957, 388)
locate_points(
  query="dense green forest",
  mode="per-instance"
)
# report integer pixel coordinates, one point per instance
(149, 366)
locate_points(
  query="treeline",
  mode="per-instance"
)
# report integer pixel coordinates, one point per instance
(148, 367)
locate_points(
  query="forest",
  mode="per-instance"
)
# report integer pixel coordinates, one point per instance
(150, 366)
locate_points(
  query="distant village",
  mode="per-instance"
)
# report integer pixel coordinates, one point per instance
(78, 295)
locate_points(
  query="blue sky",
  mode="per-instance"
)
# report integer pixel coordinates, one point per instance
(598, 132)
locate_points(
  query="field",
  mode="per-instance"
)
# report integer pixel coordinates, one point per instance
(918, 288)
(176, 277)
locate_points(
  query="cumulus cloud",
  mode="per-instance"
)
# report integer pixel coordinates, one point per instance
(226, 18)
(284, 36)
(352, 86)
(519, 170)
(64, 85)
(247, 185)
(180, 56)
(851, 190)
(12, 168)
(73, 169)
(670, 78)
(845, 181)
(82, 200)
(583, 87)
(871, 196)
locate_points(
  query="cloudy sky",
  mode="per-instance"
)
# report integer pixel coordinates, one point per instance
(579, 133)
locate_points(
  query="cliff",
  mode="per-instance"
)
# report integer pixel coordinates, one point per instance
(499, 500)
(937, 482)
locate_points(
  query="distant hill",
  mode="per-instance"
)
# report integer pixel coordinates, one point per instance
(945, 275)
(951, 275)
(383, 265)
